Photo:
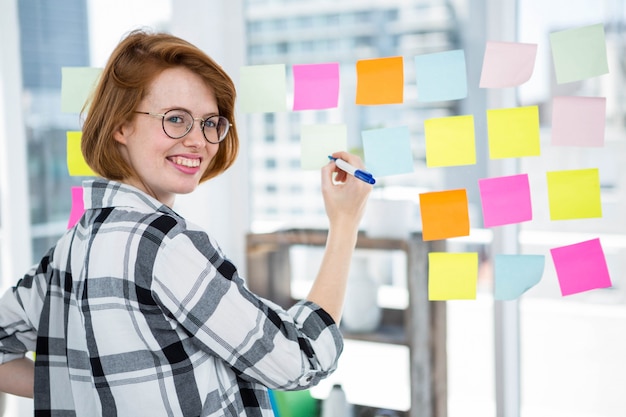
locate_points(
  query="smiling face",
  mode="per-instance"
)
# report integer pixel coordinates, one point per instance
(164, 166)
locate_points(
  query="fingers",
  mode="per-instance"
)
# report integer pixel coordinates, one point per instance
(349, 158)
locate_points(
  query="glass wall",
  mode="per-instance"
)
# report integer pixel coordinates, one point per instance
(572, 362)
(571, 347)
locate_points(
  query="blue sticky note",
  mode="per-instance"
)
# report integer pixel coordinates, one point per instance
(441, 76)
(516, 274)
(387, 151)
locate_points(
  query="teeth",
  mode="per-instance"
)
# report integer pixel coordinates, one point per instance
(191, 163)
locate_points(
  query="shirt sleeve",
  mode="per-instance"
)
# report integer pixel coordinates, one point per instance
(20, 307)
(262, 342)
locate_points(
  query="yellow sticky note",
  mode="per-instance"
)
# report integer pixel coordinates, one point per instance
(77, 83)
(513, 132)
(452, 276)
(450, 141)
(76, 164)
(574, 194)
(319, 141)
(380, 81)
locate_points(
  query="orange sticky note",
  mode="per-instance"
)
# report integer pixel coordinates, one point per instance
(380, 81)
(445, 214)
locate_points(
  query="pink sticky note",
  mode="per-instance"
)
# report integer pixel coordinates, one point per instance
(316, 86)
(581, 267)
(507, 64)
(578, 121)
(505, 200)
(78, 207)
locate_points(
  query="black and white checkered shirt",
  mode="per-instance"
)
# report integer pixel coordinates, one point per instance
(135, 312)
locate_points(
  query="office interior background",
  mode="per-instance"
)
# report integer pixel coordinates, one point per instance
(541, 355)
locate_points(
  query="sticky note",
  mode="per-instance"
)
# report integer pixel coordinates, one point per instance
(380, 81)
(574, 194)
(516, 274)
(316, 86)
(450, 141)
(513, 132)
(387, 151)
(579, 53)
(507, 64)
(581, 267)
(76, 164)
(452, 276)
(319, 141)
(578, 121)
(445, 214)
(78, 206)
(77, 84)
(441, 76)
(505, 200)
(263, 88)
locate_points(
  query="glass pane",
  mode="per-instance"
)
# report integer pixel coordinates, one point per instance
(572, 346)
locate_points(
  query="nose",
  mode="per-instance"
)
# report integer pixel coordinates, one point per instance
(195, 137)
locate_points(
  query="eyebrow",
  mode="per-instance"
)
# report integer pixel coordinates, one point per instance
(205, 116)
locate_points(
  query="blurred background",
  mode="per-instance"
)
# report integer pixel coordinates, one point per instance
(541, 355)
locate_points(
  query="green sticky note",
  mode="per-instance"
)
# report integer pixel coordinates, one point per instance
(319, 141)
(77, 84)
(452, 276)
(450, 141)
(513, 132)
(263, 88)
(76, 164)
(574, 194)
(579, 53)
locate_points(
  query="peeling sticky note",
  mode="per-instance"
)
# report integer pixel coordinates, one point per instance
(574, 194)
(76, 164)
(319, 141)
(441, 76)
(452, 276)
(78, 206)
(507, 64)
(445, 214)
(579, 53)
(516, 274)
(77, 84)
(581, 267)
(263, 88)
(450, 141)
(578, 121)
(505, 200)
(388, 151)
(513, 132)
(316, 86)
(380, 81)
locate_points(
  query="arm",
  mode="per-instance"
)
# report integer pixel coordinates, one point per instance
(344, 200)
(17, 377)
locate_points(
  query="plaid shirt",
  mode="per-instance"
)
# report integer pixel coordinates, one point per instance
(136, 312)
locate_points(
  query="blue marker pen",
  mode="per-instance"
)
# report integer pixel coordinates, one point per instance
(360, 174)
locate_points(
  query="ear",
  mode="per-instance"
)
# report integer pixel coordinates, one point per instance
(122, 132)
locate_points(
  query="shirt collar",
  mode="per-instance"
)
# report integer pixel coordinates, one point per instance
(102, 193)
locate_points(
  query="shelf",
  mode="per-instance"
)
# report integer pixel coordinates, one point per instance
(421, 327)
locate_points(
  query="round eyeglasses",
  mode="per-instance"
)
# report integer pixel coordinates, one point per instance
(177, 123)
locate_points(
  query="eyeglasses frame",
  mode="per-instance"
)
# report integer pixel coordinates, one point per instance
(200, 119)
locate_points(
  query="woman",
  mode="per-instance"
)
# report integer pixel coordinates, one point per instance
(137, 312)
